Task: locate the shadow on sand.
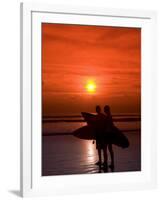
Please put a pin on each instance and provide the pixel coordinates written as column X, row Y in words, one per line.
column 105, row 169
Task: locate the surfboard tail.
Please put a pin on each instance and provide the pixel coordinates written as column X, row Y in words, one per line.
column 121, row 140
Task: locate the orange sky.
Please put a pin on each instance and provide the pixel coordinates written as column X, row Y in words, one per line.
column 75, row 54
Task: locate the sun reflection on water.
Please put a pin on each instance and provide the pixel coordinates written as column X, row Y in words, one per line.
column 91, row 154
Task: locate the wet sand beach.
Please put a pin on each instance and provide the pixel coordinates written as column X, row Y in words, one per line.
column 66, row 155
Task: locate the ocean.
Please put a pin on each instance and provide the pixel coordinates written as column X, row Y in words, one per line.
column 69, row 123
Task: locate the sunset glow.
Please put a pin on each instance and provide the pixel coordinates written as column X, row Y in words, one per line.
column 83, row 66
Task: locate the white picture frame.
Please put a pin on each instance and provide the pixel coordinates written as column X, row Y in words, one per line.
column 32, row 183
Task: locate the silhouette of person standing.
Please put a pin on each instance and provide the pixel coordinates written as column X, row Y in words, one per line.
column 101, row 144
column 109, row 126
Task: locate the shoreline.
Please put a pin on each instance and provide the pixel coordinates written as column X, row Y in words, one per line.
column 68, row 133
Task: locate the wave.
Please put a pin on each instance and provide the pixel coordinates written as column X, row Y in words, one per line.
column 70, row 119
column 80, row 116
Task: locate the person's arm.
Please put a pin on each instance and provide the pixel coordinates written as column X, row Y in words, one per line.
column 110, row 119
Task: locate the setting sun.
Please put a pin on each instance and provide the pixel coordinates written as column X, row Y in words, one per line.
column 91, row 86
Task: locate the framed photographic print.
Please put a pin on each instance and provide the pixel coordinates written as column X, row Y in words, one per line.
column 87, row 99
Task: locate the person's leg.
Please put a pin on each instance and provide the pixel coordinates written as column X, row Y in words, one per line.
column 105, row 154
column 98, row 150
column 111, row 155
column 99, row 155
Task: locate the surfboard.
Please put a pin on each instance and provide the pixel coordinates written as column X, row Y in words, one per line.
column 89, row 118
column 88, row 133
column 85, row 132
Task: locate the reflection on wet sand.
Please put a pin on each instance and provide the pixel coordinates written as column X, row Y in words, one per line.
column 63, row 155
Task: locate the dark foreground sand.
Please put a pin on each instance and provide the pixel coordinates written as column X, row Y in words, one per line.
column 62, row 155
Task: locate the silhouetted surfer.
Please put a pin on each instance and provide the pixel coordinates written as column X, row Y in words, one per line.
column 108, row 130
column 104, row 126
column 101, row 144
column 101, row 128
